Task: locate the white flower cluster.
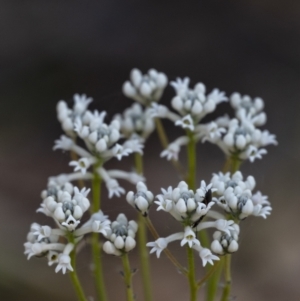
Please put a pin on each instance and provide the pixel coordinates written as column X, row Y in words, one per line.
column 65, row 204
column 185, row 205
column 240, row 137
column 189, row 208
column 226, row 243
column 121, row 236
column 147, row 88
column 194, row 102
column 67, row 116
column 44, row 241
column 101, row 141
column 191, row 104
column 136, row 122
column 236, row 198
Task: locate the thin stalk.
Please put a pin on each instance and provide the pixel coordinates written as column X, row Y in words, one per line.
column 165, row 142
column 227, row 165
column 127, row 278
column 227, row 287
column 213, row 280
column 73, row 275
column 191, row 274
column 166, row 251
column 211, row 272
column 96, row 249
column 191, row 153
column 144, row 258
column 142, row 240
column 138, row 160
column 235, row 164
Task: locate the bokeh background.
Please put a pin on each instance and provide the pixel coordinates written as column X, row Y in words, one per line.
column 50, row 50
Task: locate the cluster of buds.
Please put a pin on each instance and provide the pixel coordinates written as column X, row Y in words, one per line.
column 136, row 122
column 54, row 244
column 66, row 204
column 121, row 236
column 226, row 243
column 184, row 204
column 236, row 198
column 239, row 137
column 69, row 116
column 194, row 102
column 102, row 143
column 147, row 88
column 191, row 104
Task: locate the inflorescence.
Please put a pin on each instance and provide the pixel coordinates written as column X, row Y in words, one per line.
column 221, row 204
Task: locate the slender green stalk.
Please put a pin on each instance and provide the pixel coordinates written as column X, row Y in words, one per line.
column 227, row 165
column 164, row 142
column 138, row 159
column 213, row 280
column 227, row 287
column 144, row 258
column 191, row 153
column 235, row 164
column 166, row 251
column 127, row 278
column 73, row 275
column 96, row 249
column 142, row 240
column 191, row 274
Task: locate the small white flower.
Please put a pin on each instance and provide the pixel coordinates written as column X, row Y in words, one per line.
column 253, row 153
column 171, row 153
column 64, row 263
column 63, row 143
column 114, row 188
column 206, row 255
column 81, row 165
column 101, row 227
column 157, row 246
column 186, row 123
column 189, row 237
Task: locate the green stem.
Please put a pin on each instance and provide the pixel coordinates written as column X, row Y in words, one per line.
column 227, row 287
column 127, row 277
column 235, row 164
column 142, row 240
column 138, row 160
column 213, row 281
column 74, row 276
column 144, row 258
column 191, row 274
column 96, row 249
column 232, row 164
column 191, row 153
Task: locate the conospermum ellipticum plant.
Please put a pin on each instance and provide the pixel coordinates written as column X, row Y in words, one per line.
column 223, row 203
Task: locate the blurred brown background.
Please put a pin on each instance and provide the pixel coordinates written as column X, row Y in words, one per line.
column 50, row 50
